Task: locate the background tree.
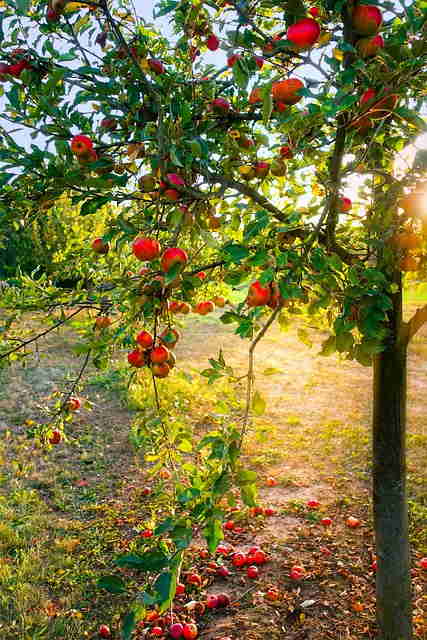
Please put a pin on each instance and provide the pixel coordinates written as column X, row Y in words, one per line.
column 233, row 175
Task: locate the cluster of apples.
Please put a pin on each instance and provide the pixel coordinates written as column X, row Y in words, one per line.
column 260, row 169
column 366, row 22
column 156, row 354
column 20, row 62
column 82, row 148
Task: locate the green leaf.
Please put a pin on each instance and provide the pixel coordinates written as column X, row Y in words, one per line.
column 213, row 533
column 236, row 252
column 113, row 584
column 92, row 205
column 240, row 74
column 412, row 117
column 249, row 494
column 304, row 337
column 258, row 404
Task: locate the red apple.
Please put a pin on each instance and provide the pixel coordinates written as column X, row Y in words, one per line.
column 238, row 559
column 313, row 504
column 366, row 19
column 137, row 358
column 252, row 572
column 259, row 61
column 175, row 180
column 326, row 522
column 201, row 275
column 345, row 205
column 367, row 96
column 99, row 246
column 173, row 256
column 223, row 572
column 52, row 15
column 423, row 563
column 271, row 482
column 146, row 248
column 190, row 631
column 156, row 66
column 223, row 599
column 258, row 295
column 220, row 105
column 314, row 11
column 147, row 533
column 296, row 573
column 212, row 42
column 219, row 301
column 229, row 525
column 180, row 589
column 104, row 631
column 233, row 59
column 368, row 47
column 304, row 33
column 286, row 152
column 172, row 195
column 73, row 403
column 269, row 511
column 352, row 522
column 194, row 578
column 374, row 565
column 55, row 437
column 212, row 602
column 175, row 630
column 272, row 594
column 159, row 355
column 157, row 631
column 261, row 169
column 144, row 339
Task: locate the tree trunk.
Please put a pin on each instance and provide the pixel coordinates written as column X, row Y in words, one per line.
column 394, row 608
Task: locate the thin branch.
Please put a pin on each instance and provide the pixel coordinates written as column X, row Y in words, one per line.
column 415, row 323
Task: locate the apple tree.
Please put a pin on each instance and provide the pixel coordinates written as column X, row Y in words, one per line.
column 218, row 170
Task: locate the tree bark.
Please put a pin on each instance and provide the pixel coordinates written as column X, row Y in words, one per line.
column 393, row 582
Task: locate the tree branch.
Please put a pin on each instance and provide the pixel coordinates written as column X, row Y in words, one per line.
column 413, row 325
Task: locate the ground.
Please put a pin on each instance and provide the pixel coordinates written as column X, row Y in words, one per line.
column 66, row 513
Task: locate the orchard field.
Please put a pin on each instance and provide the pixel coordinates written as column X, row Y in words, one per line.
column 213, row 319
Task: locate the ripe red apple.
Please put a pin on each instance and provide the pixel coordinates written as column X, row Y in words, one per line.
column 259, row 557
column 99, row 246
column 172, row 195
column 212, row 602
column 146, row 491
column 252, row 572
column 238, row 559
column 137, row 358
column 104, row 631
column 175, row 180
column 157, row 631
column 73, row 403
column 368, row 47
column 261, row 169
column 146, row 248
column 220, row 106
column 194, row 578
column 296, row 573
column 203, row 308
column 272, row 594
column 224, row 572
column 423, row 563
column 201, row 275
column 212, row 42
column 156, row 66
column 147, row 533
column 173, row 256
column 175, row 630
column 374, row 565
column 159, row 354
column 190, row 631
column 223, row 599
column 52, row 15
column 286, row 91
column 345, row 205
column 326, row 521
column 367, row 96
column 229, row 525
column 259, row 61
column 271, row 482
column 258, row 295
column 180, row 589
column 55, row 437
column 222, row 550
column 367, row 19
column 81, row 145
column 286, row 152
column 144, row 339
column 352, row 522
column 314, row 12
column 16, row 69
column 313, row 504
column 233, row 59
column 269, row 511
column 304, row 33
